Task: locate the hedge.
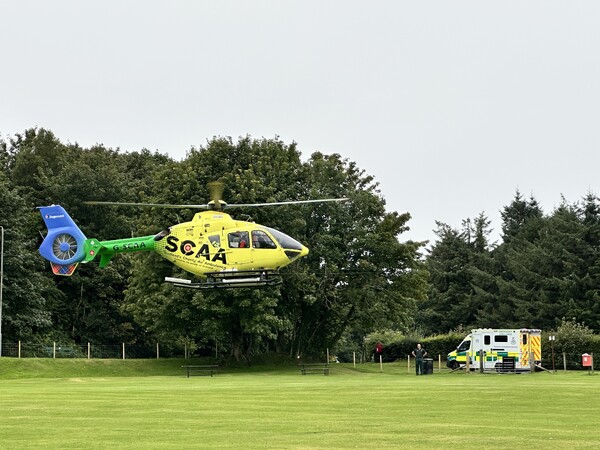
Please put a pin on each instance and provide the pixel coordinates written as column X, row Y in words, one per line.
column 440, row 344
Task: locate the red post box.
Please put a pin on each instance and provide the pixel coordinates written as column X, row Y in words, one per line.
column 586, row 360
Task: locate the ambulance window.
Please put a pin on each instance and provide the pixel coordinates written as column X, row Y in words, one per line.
column 486, row 339
column 501, row 338
column 464, row 346
column 524, row 339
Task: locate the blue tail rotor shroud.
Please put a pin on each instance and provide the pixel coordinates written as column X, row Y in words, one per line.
column 60, row 223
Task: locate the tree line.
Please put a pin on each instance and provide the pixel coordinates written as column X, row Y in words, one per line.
column 545, row 269
column 360, row 277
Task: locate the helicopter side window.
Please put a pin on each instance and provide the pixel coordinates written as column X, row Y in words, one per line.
column 260, row 239
column 239, row 239
column 215, row 241
column 284, row 240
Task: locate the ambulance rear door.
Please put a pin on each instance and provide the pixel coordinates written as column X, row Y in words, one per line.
column 530, row 344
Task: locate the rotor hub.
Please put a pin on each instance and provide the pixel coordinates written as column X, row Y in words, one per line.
column 217, row 205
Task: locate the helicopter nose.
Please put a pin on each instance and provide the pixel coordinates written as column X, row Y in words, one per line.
column 296, row 253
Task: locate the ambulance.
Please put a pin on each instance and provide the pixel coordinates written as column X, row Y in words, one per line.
column 504, row 350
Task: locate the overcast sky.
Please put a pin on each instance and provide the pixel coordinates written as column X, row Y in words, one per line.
column 451, row 105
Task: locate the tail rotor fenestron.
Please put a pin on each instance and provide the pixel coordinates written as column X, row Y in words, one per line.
column 63, row 245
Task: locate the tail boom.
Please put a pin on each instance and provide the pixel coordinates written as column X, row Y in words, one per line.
column 65, row 244
column 107, row 249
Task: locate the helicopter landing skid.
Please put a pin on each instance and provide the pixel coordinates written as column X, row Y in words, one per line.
column 231, row 279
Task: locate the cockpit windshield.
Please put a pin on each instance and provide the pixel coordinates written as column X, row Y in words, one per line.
column 284, row 240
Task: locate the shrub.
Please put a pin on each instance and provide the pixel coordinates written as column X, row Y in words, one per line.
column 440, row 344
column 573, row 339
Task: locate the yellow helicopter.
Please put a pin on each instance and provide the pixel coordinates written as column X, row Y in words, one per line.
column 222, row 251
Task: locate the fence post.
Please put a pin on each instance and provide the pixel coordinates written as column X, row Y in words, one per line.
column 592, row 362
column 408, row 358
column 380, row 363
column 54, row 350
column 123, row 350
column 157, row 351
column 19, row 349
column 565, row 361
column 480, row 360
column 439, row 362
column 354, row 359
column 531, row 362
column 89, row 351
column 468, row 362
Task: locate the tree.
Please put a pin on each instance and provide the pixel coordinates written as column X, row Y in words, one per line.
column 519, row 218
column 589, row 310
column 35, row 159
column 504, row 296
column 251, row 171
column 357, row 273
column 450, row 296
column 45, row 171
column 572, row 337
column 27, row 293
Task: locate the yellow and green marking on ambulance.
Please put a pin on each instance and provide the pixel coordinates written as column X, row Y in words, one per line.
column 518, row 350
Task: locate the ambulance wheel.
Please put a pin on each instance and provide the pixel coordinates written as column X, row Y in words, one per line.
column 453, row 365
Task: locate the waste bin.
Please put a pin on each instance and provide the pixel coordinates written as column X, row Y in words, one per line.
column 586, row 360
column 428, row 366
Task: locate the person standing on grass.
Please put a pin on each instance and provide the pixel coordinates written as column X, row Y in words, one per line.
column 419, row 353
column 378, row 352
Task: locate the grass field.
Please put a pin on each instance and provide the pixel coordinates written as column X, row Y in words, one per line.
column 151, row 404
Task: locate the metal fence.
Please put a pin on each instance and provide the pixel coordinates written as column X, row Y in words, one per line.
column 90, row 351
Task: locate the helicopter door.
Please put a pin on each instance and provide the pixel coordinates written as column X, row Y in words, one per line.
column 239, row 247
column 263, row 248
column 262, row 240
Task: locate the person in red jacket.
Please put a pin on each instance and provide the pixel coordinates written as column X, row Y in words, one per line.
column 378, row 351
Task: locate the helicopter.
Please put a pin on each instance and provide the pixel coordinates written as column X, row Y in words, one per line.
column 221, row 251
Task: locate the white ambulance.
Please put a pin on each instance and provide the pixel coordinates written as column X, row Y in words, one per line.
column 504, row 350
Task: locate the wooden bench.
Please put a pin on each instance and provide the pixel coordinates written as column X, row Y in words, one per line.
column 206, row 369
column 314, row 368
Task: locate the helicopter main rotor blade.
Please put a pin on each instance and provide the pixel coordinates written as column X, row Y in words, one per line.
column 147, row 205
column 218, row 206
column 293, row 202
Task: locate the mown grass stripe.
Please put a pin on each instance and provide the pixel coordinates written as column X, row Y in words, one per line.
column 276, row 407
